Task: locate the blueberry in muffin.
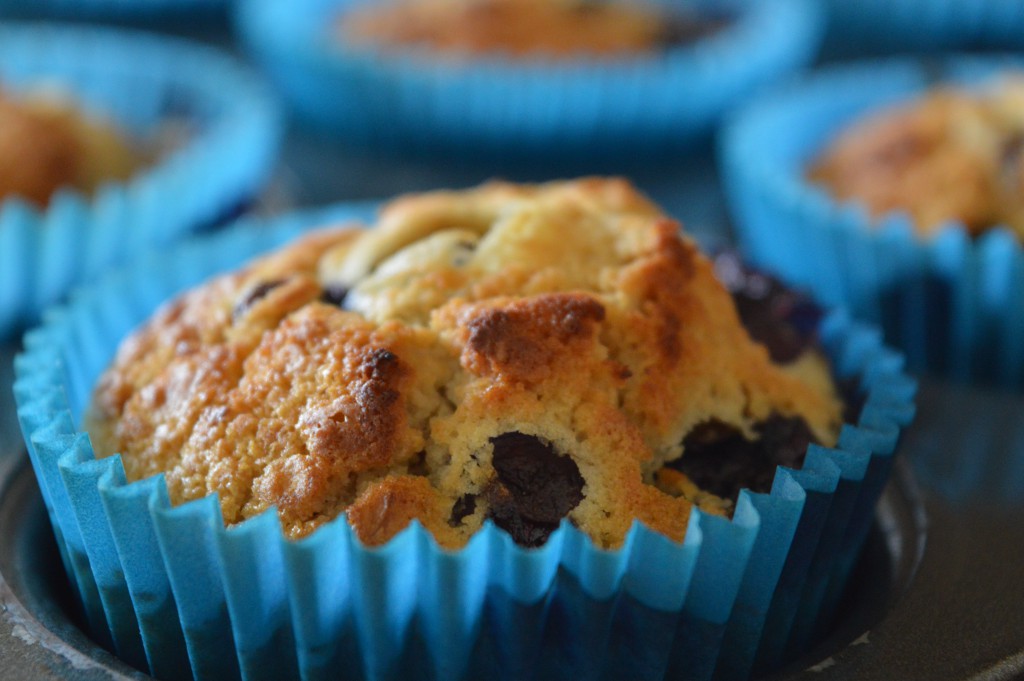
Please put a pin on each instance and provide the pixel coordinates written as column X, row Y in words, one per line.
column 523, row 354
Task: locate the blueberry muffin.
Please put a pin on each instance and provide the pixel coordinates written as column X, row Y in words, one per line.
column 521, row 354
column 46, row 143
column 952, row 155
column 548, row 28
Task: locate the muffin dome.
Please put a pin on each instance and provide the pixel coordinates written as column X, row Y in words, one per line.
column 951, row 155
column 513, row 353
column 46, row 144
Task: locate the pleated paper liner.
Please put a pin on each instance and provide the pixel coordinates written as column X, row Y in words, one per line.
column 197, row 12
column 952, row 304
column 174, row 592
column 142, row 83
column 858, row 28
column 412, row 100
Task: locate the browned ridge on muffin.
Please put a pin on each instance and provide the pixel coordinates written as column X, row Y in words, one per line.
column 559, row 29
column 516, row 353
column 47, row 144
column 952, row 155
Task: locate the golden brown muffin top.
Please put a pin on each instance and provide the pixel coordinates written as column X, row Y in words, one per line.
column 519, row 353
column 549, row 28
column 46, row 144
column 952, row 155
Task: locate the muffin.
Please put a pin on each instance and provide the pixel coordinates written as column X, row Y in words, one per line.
column 46, row 144
column 519, row 354
column 951, row 155
column 111, row 143
column 518, row 80
column 519, row 28
column 878, row 191
column 582, row 317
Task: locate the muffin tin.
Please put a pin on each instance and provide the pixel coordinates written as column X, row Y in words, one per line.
column 937, row 592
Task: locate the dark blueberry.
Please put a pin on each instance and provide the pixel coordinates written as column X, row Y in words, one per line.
column 804, row 315
column 718, row 459
column 779, row 318
column 334, row 294
column 853, row 398
column 418, row 464
column 463, row 507
column 533, row 489
column 259, row 291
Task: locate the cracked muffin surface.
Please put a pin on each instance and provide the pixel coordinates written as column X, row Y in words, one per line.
column 950, row 155
column 521, row 354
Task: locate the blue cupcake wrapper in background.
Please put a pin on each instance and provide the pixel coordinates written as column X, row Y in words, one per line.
column 140, row 82
column 877, row 27
column 952, row 304
column 170, row 589
column 414, row 100
column 117, row 10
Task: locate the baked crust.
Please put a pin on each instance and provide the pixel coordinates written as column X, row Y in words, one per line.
column 485, row 336
column 952, row 155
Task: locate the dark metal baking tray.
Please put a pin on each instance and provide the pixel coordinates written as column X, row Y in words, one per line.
column 937, row 594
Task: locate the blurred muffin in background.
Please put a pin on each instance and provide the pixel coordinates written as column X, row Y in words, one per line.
column 894, row 189
column 951, row 155
column 47, row 143
column 113, row 142
column 538, row 28
column 576, row 84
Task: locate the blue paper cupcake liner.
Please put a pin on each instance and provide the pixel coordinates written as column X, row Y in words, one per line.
column 951, row 303
column 117, row 10
column 174, row 592
column 412, row 100
column 140, row 82
column 877, row 27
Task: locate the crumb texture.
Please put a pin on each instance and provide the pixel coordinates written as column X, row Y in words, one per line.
column 524, row 354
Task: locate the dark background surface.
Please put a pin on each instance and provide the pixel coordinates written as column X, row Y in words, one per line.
column 939, row 593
